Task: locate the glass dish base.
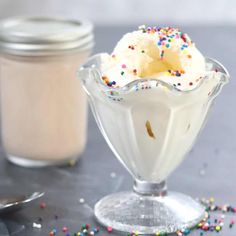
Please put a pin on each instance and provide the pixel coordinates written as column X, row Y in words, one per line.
column 129, row 211
column 20, row 161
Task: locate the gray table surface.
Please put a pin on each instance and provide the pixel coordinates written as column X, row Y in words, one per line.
column 209, row 170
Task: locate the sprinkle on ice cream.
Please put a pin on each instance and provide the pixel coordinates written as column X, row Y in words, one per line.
column 166, row 54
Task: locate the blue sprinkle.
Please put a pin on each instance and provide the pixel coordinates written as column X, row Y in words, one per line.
column 186, row 231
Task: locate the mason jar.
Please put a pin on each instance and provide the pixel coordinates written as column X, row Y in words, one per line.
column 43, row 106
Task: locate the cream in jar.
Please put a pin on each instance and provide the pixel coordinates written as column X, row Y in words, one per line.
column 43, row 107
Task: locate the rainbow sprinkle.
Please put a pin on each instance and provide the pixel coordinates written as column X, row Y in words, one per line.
column 166, row 36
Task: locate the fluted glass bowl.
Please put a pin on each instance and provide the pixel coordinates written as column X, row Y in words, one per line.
column 150, row 126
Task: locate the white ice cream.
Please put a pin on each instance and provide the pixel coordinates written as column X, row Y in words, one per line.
column 165, row 54
column 149, row 126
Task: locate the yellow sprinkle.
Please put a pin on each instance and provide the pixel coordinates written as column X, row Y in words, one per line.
column 211, row 200
column 72, row 162
column 200, row 225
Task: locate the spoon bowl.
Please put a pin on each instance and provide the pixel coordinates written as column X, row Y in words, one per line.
column 14, row 203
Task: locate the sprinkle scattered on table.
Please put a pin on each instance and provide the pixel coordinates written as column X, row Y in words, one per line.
column 43, row 205
column 208, row 224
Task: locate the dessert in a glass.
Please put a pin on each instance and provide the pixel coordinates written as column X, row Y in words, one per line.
column 150, row 99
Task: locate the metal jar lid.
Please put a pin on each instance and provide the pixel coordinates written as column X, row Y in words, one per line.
column 44, row 36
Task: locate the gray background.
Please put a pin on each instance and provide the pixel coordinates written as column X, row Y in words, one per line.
column 124, row 12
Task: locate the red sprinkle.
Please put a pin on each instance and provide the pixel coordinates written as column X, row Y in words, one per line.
column 51, row 233
column 43, row 205
column 190, row 83
column 183, row 37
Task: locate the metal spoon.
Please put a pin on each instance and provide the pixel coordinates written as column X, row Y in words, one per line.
column 8, row 204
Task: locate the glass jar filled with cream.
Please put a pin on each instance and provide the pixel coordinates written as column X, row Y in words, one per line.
column 43, row 107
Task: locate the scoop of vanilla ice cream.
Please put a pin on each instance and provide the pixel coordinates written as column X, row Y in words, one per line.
column 165, row 54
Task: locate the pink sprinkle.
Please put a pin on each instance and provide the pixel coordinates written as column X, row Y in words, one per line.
column 109, row 229
column 64, row 229
column 123, row 66
column 205, row 227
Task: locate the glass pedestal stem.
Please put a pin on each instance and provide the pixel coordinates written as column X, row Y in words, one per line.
column 148, row 209
column 151, row 189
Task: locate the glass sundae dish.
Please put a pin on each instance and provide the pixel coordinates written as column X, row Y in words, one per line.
column 150, row 99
